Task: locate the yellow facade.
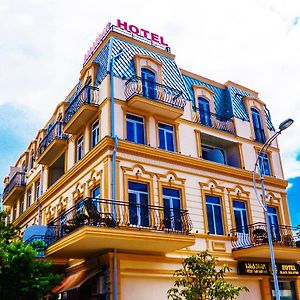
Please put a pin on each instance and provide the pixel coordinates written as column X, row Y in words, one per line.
column 69, row 168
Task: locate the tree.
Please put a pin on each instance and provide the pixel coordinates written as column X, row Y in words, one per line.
column 22, row 275
column 200, row 279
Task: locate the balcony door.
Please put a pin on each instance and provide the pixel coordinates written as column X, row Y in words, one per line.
column 138, row 204
column 172, row 215
column 204, row 112
column 148, row 83
column 274, row 223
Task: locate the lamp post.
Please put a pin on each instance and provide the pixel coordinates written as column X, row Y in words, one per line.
column 284, row 125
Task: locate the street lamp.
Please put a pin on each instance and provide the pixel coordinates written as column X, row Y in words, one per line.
column 284, row 125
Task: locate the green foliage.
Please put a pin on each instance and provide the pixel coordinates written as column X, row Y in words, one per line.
column 22, row 275
column 200, row 279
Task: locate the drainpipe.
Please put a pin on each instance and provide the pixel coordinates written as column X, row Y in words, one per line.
column 114, row 160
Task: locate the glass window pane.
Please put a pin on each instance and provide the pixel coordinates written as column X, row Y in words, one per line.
column 130, row 131
column 170, row 141
column 210, row 219
column 140, row 133
column 162, row 142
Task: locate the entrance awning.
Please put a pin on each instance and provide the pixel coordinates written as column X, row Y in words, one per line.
column 75, row 281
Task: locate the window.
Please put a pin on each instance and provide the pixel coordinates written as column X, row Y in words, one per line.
column 22, row 206
column 79, row 148
column 95, row 134
column 79, row 206
column 214, row 215
column 95, row 194
column 28, row 198
column 148, row 83
column 166, row 137
column 264, row 164
column 258, row 126
column 9, row 218
column 62, row 221
column 15, row 212
column 31, row 160
column 204, row 112
column 172, row 213
column 138, row 204
column 274, row 223
column 37, row 189
column 240, row 215
column 135, row 129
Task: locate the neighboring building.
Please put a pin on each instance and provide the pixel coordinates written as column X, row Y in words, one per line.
column 177, row 151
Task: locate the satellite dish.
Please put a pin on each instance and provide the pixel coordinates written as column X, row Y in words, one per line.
column 216, row 155
column 29, row 232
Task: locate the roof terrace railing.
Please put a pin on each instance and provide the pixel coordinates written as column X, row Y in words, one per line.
column 216, row 121
column 17, row 180
column 257, row 234
column 154, row 91
column 55, row 133
column 88, row 95
column 118, row 214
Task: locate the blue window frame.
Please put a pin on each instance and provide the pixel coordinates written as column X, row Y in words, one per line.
column 138, row 204
column 172, row 213
column 135, row 129
column 274, row 223
column 240, row 216
column 166, row 137
column 95, row 194
column 258, row 126
column 148, row 83
column 204, row 112
column 264, row 164
column 79, row 148
column 95, row 134
column 214, row 215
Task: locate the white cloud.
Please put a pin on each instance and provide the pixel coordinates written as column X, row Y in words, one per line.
column 254, row 43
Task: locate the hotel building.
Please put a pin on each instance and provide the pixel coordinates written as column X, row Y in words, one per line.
column 145, row 163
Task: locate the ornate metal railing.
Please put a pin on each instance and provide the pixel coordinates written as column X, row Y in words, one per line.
column 17, row 180
column 55, row 133
column 219, row 122
column 117, row 214
column 88, row 95
column 256, row 234
column 154, row 91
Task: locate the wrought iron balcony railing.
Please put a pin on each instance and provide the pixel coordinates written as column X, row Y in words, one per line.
column 154, row 91
column 88, row 95
column 117, row 214
column 256, row 235
column 17, row 180
column 55, row 133
column 209, row 119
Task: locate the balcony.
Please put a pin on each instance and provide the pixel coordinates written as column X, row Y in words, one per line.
column 14, row 188
column 154, row 97
column 252, row 242
column 95, row 225
column 81, row 109
column 215, row 121
column 52, row 145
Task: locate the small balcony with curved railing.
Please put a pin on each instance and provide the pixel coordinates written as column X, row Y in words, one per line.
column 252, row 242
column 95, row 225
column 81, row 109
column 154, row 97
column 52, row 145
column 14, row 188
column 216, row 121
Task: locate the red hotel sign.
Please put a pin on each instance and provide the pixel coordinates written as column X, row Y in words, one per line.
column 125, row 26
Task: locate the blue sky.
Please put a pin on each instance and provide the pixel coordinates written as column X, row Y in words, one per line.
column 252, row 42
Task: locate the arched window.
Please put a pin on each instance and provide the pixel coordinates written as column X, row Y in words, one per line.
column 258, row 126
column 204, row 111
column 148, row 83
